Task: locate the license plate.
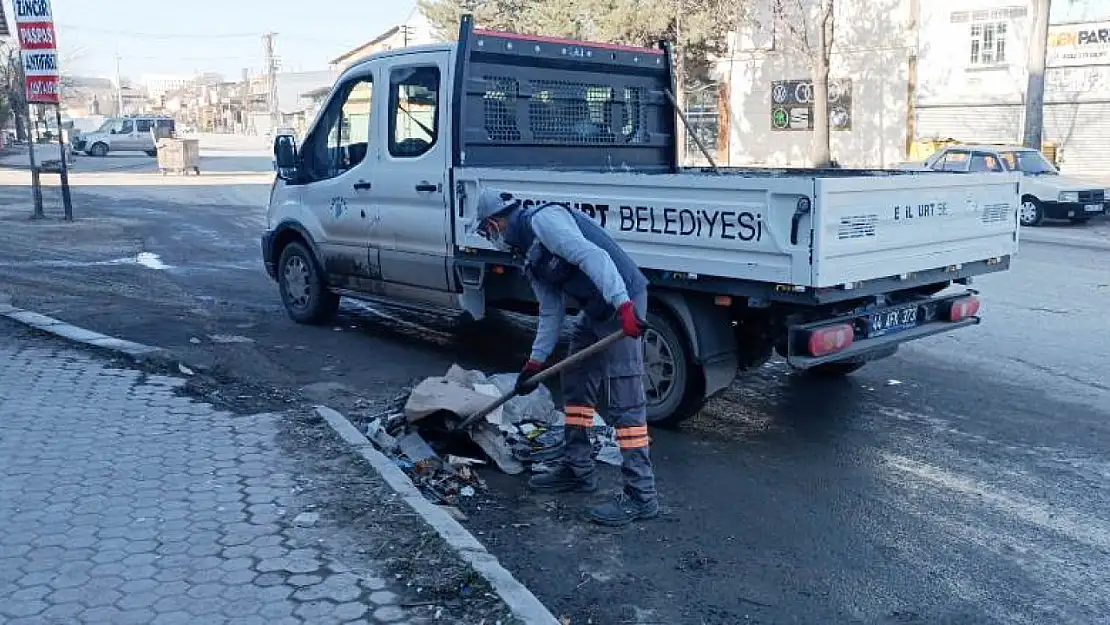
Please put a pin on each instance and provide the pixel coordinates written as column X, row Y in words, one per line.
column 893, row 320
column 1093, row 208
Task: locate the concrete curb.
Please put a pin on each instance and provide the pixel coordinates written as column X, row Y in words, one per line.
column 1052, row 238
column 135, row 351
column 520, row 600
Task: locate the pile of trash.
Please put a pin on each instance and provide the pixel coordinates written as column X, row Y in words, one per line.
column 527, row 433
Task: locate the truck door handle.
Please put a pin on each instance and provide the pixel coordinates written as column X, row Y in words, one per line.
column 362, row 185
column 427, row 187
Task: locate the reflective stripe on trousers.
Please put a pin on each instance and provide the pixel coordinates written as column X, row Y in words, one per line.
column 622, row 367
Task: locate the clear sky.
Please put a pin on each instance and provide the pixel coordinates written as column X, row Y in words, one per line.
column 183, row 37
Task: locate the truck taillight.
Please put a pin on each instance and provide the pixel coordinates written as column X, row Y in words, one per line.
column 832, row 339
column 963, row 308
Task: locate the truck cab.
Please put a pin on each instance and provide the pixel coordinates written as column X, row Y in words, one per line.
column 369, row 186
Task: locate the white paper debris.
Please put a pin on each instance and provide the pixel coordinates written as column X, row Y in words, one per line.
column 497, row 416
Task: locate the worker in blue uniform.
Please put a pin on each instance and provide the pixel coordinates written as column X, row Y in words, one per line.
column 569, row 255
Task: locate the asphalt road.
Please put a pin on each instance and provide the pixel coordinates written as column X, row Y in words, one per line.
column 962, row 481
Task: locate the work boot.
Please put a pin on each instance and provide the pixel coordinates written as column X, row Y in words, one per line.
column 563, row 480
column 624, row 509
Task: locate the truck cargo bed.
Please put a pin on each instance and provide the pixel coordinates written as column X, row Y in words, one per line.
column 809, row 228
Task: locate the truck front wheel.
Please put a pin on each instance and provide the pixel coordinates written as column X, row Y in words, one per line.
column 303, row 291
column 673, row 381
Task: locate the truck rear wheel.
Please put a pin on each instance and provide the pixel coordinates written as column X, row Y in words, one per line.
column 303, row 291
column 673, row 381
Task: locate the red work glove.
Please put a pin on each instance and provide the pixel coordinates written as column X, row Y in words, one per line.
column 524, row 385
column 630, row 322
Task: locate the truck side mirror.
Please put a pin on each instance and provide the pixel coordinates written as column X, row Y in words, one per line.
column 285, row 154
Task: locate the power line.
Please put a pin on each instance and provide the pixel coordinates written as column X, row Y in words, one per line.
column 130, row 33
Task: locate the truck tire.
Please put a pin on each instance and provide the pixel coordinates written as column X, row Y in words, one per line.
column 98, row 149
column 674, row 383
column 303, row 291
column 1031, row 213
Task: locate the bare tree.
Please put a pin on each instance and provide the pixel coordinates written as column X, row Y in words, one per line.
column 12, row 91
column 810, row 26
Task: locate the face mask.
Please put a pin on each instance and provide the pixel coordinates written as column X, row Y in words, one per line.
column 492, row 233
column 497, row 238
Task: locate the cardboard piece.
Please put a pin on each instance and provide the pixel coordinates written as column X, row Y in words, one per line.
column 438, row 393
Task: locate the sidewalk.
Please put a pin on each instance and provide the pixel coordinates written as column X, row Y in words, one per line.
column 121, row 501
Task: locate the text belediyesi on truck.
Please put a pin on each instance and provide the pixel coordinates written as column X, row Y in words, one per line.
column 830, row 268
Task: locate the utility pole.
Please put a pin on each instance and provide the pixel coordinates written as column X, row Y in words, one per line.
column 271, row 77
column 36, row 172
column 245, row 113
column 1034, row 92
column 119, row 88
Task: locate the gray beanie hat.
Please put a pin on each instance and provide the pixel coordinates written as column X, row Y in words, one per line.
column 492, row 202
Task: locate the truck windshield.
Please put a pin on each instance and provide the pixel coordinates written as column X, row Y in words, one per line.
column 108, row 125
column 1028, row 161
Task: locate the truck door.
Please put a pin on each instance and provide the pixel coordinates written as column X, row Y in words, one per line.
column 410, row 179
column 337, row 168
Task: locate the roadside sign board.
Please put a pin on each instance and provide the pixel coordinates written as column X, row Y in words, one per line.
column 34, row 23
column 1075, row 45
column 792, row 105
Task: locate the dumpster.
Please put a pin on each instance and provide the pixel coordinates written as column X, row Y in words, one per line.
column 178, row 155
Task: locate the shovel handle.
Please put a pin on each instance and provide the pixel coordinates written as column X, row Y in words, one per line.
column 548, row 373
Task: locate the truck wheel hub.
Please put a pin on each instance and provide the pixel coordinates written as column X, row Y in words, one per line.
column 296, row 282
column 659, row 365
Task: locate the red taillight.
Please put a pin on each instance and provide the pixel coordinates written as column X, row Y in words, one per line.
column 831, row 339
column 963, row 308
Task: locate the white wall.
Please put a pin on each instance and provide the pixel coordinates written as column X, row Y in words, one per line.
column 872, row 50
column 945, row 73
column 946, row 76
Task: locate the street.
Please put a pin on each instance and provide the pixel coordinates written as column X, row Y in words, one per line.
column 964, row 480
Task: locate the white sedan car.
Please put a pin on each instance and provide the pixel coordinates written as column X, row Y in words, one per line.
column 1045, row 194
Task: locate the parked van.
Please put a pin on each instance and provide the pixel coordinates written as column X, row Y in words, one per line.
column 134, row 133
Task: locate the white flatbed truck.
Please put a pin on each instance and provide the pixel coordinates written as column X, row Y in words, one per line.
column 830, row 268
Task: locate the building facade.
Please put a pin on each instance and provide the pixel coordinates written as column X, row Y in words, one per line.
column 766, row 119
column 905, row 70
column 972, row 79
column 414, row 31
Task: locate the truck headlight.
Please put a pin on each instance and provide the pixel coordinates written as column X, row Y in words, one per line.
column 1069, row 197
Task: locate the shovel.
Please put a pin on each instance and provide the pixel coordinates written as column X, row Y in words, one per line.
column 546, row 374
